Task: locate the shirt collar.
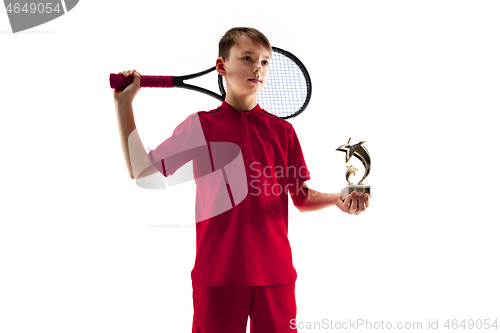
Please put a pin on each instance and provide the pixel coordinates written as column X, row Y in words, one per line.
column 227, row 106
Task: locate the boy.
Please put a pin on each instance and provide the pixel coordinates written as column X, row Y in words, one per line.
column 243, row 261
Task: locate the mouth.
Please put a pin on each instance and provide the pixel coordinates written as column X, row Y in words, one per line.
column 255, row 80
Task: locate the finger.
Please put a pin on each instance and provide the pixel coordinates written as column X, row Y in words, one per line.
column 354, row 204
column 367, row 200
column 347, row 203
column 361, row 203
column 137, row 78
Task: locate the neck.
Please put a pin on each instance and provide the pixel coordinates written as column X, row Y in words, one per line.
column 241, row 104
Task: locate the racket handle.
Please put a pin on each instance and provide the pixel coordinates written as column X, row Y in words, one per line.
column 147, row 81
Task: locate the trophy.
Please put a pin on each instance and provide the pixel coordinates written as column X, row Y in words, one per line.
column 357, row 150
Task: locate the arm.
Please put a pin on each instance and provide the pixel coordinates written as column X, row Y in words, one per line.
column 136, row 158
column 307, row 200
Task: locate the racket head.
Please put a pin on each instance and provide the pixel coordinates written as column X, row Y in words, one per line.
column 288, row 88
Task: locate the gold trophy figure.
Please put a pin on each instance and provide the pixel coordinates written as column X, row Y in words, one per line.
column 359, row 151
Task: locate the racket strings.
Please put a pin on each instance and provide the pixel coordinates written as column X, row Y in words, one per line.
column 286, row 89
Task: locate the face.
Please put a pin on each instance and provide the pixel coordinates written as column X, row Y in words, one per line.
column 246, row 69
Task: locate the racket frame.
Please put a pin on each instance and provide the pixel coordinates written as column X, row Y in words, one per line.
column 179, row 83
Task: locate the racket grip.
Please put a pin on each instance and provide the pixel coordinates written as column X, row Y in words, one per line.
column 147, row 81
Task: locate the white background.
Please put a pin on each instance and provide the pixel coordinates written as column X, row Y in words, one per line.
column 83, row 249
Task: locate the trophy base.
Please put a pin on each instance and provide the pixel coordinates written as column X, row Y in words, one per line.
column 355, row 188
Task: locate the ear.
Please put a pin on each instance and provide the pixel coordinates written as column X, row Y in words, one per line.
column 220, row 66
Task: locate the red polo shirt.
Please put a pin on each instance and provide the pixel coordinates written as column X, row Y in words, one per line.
column 242, row 165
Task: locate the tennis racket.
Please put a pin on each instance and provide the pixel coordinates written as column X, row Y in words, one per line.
column 286, row 94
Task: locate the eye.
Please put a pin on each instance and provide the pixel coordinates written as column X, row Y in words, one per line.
column 247, row 58
column 265, row 63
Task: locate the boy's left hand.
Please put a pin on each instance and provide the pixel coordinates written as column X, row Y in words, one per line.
column 355, row 203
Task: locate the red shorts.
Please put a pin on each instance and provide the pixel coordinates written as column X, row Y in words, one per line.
column 226, row 309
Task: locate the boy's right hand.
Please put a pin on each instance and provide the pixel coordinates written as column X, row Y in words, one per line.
column 128, row 94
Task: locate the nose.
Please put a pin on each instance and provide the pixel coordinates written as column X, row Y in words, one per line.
column 258, row 68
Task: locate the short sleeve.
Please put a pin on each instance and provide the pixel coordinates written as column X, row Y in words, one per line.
column 186, row 143
column 296, row 165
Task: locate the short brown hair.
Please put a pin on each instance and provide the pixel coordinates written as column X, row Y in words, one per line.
column 231, row 37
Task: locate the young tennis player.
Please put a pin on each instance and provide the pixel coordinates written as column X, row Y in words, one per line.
column 243, row 263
